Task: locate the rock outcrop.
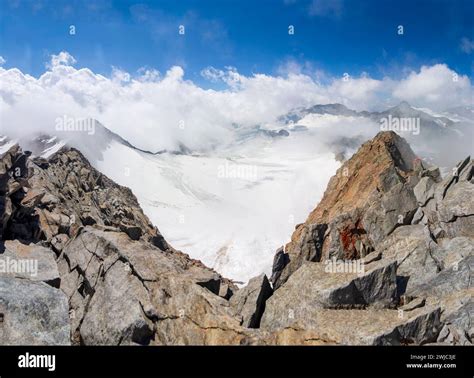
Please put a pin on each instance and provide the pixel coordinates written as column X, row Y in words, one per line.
column 324, row 289
column 371, row 193
column 388, row 203
column 250, row 302
column 384, row 259
column 105, row 272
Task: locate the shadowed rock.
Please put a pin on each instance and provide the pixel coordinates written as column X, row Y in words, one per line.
column 249, row 302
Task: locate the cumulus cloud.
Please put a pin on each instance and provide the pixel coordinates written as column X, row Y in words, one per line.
column 434, row 87
column 63, row 58
column 358, row 93
column 163, row 111
column 120, row 76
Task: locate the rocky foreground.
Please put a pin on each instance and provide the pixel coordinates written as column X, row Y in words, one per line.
column 105, row 274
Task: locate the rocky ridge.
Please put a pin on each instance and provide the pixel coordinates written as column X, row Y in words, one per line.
column 403, row 235
column 385, row 203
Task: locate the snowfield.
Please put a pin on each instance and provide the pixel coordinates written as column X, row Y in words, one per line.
column 230, row 212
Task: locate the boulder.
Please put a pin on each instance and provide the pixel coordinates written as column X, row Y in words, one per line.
column 185, row 313
column 314, row 286
column 414, row 303
column 361, row 327
column 115, row 314
column 457, row 317
column 32, row 262
column 249, row 302
column 280, row 261
column 447, row 281
column 424, row 190
column 411, row 247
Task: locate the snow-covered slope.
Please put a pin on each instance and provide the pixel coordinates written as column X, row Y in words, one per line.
column 231, row 208
column 230, row 212
column 5, row 144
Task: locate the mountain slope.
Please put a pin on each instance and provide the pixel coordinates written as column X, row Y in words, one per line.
column 108, row 255
column 107, row 276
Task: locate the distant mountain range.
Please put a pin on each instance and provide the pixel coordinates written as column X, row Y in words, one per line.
column 454, row 122
column 448, row 119
column 442, row 138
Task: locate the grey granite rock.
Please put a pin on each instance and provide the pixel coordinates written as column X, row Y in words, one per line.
column 249, row 302
column 33, row 313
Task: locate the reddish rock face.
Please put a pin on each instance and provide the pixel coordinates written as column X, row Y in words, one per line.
column 351, row 235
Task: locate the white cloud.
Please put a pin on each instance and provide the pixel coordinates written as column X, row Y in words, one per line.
column 436, row 87
column 120, row 76
column 148, row 74
column 63, row 58
column 292, row 66
column 230, row 76
column 2, row 61
column 358, row 93
column 212, row 74
column 157, row 112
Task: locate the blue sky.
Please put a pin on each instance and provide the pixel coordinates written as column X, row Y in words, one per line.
column 330, row 36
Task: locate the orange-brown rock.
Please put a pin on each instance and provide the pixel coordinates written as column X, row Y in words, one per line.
column 378, row 166
column 357, row 178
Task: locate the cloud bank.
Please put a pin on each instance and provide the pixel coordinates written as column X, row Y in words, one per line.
column 162, row 111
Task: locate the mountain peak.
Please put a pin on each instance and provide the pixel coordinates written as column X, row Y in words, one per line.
column 358, row 177
column 333, row 109
column 378, row 165
column 382, row 207
column 404, row 106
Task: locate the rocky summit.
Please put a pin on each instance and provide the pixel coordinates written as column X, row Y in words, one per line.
column 385, row 258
